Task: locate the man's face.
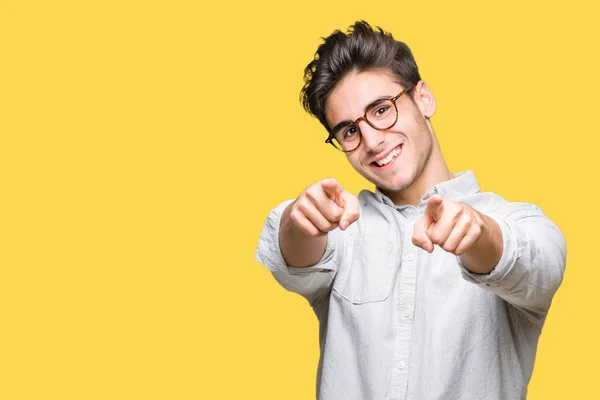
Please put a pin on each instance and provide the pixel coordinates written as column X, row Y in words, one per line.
column 392, row 159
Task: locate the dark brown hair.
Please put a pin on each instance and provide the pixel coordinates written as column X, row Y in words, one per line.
column 359, row 49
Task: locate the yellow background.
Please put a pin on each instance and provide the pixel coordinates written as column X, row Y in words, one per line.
column 143, row 143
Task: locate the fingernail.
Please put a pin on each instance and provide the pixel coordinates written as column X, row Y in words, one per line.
column 344, row 224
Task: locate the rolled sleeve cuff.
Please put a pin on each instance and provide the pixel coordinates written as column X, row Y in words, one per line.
column 269, row 254
column 504, row 272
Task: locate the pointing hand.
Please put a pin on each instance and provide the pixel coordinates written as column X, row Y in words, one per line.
column 324, row 206
column 454, row 226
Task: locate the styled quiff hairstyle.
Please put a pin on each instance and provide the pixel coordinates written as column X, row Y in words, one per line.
column 361, row 48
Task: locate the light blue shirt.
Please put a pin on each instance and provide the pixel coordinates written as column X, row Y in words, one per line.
column 399, row 323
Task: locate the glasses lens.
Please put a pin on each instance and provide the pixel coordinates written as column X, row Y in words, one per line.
column 382, row 115
column 347, row 138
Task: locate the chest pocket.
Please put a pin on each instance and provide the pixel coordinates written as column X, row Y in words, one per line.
column 368, row 270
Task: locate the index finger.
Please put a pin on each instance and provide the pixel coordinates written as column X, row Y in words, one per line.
column 434, row 206
column 334, row 190
column 331, row 187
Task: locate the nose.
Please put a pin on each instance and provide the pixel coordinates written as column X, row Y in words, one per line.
column 373, row 139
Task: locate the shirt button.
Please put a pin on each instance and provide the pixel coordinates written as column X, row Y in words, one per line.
column 409, row 257
column 401, row 365
column 406, row 314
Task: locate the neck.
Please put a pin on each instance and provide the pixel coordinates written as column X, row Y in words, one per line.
column 434, row 172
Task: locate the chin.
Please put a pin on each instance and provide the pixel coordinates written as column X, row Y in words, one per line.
column 396, row 185
column 398, row 181
column 393, row 188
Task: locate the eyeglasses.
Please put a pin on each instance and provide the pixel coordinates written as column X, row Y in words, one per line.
column 379, row 115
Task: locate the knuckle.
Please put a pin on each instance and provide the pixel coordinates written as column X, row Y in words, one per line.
column 295, row 215
column 337, row 213
column 313, row 231
column 323, row 226
column 353, row 215
column 300, row 206
column 309, row 193
column 435, row 238
column 309, row 228
column 333, row 218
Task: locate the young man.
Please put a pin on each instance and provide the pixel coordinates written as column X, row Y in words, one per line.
column 427, row 288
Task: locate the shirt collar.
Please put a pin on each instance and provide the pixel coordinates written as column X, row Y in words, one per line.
column 463, row 183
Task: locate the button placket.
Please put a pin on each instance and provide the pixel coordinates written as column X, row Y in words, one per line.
column 406, row 298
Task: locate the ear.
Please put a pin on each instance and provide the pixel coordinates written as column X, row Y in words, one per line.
column 424, row 99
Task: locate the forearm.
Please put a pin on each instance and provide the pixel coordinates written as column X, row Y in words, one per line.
column 297, row 248
column 532, row 264
column 485, row 253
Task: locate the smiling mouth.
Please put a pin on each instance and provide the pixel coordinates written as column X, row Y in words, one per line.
column 392, row 155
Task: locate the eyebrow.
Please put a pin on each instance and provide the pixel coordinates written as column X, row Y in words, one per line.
column 368, row 106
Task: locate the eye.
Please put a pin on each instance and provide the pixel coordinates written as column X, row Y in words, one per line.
column 350, row 132
column 381, row 110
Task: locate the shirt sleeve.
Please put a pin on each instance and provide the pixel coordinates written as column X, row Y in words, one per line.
column 312, row 282
column 532, row 264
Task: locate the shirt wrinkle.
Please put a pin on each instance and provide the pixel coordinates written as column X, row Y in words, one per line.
column 399, row 323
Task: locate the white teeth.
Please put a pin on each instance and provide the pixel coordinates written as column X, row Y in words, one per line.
column 389, row 157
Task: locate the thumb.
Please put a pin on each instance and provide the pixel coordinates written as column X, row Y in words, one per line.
column 351, row 209
column 420, row 237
